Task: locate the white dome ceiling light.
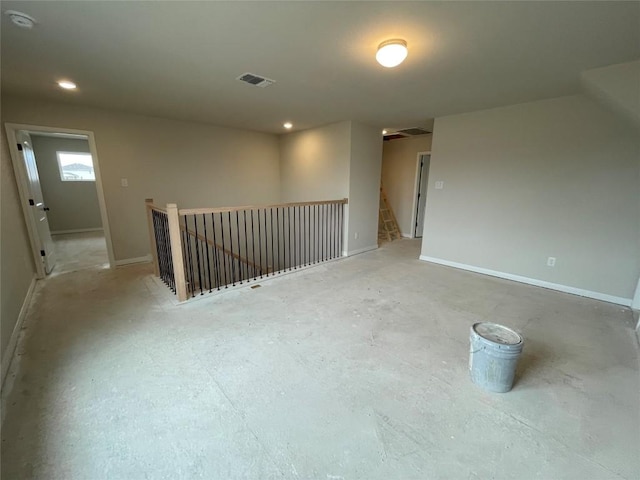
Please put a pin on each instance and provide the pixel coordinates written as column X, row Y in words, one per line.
column 20, row 19
column 392, row 53
column 67, row 85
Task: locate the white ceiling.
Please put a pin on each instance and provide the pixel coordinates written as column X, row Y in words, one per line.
column 180, row 59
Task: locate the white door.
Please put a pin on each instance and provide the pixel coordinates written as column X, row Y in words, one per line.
column 423, row 181
column 37, row 208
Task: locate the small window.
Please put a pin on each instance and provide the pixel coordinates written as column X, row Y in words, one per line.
column 76, row 167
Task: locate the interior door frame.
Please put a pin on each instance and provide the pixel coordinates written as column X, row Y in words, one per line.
column 416, row 188
column 23, row 187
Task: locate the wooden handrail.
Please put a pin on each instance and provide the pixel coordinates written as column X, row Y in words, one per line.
column 151, row 206
column 219, row 247
column 199, row 211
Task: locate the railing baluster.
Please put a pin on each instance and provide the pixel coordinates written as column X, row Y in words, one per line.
column 192, row 278
column 341, row 233
column 239, row 248
column 253, row 248
column 196, row 242
column 313, row 237
column 335, row 230
column 169, row 258
column 322, row 233
column 307, row 234
column 224, row 256
column 233, row 267
column 216, row 256
column 289, row 238
column 260, row 244
column 279, row 267
column 266, row 243
column 185, row 259
column 272, row 249
column 330, row 231
column 296, row 238
column 206, row 246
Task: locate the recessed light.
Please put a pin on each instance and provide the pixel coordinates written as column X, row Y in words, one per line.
column 67, row 85
column 288, row 125
column 391, row 53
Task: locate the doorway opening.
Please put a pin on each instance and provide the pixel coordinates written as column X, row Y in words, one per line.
column 422, row 182
column 60, row 188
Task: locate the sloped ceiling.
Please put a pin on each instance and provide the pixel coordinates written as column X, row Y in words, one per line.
column 180, row 59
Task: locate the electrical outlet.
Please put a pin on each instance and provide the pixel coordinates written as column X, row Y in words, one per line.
column 124, row 182
column 551, row 262
column 439, row 185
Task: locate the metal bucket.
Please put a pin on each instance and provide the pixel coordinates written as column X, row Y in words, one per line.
column 493, row 356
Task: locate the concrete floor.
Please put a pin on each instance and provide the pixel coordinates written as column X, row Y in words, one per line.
column 356, row 369
column 77, row 251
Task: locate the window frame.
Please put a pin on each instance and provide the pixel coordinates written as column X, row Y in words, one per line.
column 61, row 172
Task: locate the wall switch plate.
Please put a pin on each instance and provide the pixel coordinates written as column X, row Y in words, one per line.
column 355, row 235
column 439, row 185
column 551, row 262
column 124, row 182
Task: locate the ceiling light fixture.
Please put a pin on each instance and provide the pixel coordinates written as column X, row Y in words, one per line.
column 67, row 85
column 20, row 19
column 288, row 125
column 391, row 53
column 384, row 132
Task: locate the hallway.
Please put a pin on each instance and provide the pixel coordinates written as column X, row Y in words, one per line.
column 77, row 251
column 357, row 369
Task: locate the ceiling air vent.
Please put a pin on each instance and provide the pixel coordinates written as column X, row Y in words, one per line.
column 414, row 131
column 255, row 80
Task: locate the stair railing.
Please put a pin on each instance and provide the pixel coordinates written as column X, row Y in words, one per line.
column 202, row 250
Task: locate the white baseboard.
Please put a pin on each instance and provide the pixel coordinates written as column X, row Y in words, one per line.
column 79, row 230
column 131, row 261
column 360, row 250
column 13, row 341
column 532, row 281
column 406, row 235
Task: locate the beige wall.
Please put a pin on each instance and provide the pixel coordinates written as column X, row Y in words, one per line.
column 16, row 264
column 314, row 163
column 364, row 187
column 341, row 160
column 192, row 164
column 73, row 205
column 558, row 178
column 399, row 163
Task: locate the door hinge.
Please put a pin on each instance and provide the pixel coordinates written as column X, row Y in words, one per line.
column 31, row 202
column 19, row 147
column 42, row 254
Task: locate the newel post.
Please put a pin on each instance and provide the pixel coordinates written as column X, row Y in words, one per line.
column 173, row 219
column 148, row 202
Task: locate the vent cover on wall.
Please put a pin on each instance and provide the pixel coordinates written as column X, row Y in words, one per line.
column 405, row 133
column 255, row 80
column 413, row 131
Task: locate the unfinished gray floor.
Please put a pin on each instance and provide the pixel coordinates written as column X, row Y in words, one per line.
column 77, row 251
column 353, row 370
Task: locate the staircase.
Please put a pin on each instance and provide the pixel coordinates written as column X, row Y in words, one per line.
column 387, row 225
